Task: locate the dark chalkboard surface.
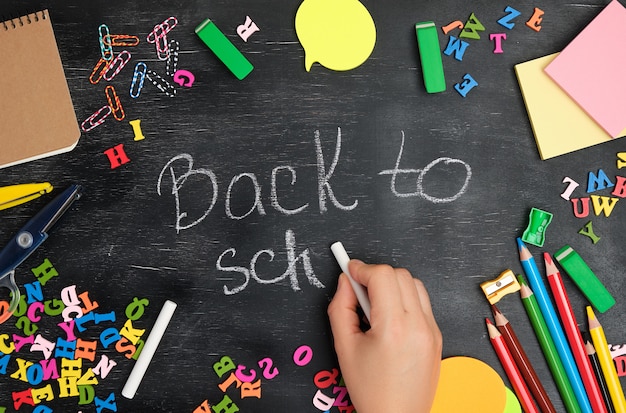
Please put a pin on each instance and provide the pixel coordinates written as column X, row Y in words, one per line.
column 230, row 204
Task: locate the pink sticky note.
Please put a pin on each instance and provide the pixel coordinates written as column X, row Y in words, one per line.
column 591, row 69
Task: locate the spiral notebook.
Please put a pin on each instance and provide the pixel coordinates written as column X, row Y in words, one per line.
column 37, row 118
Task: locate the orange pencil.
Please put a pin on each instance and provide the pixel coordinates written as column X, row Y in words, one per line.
column 511, row 370
column 573, row 336
column 522, row 362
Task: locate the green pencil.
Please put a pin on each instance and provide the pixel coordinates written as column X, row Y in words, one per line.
column 548, row 347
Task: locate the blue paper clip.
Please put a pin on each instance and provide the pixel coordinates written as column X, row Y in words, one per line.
column 27, row 240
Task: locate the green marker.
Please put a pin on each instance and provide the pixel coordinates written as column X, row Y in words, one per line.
column 585, row 279
column 430, row 56
column 224, row 49
column 548, row 347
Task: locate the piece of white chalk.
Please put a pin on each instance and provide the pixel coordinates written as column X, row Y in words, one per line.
column 149, row 348
column 342, row 259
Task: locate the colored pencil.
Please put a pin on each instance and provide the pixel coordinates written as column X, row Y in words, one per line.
column 573, row 335
column 606, row 362
column 547, row 346
column 595, row 363
column 554, row 327
column 511, row 370
column 522, row 361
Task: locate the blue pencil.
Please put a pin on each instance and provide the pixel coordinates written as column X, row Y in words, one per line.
column 554, row 326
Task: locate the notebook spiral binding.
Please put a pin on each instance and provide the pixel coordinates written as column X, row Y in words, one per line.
column 28, row 18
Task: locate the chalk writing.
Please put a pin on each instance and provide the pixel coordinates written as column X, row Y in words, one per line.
column 291, row 271
column 421, row 174
column 324, row 187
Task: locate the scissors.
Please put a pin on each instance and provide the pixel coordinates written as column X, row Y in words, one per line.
column 31, row 236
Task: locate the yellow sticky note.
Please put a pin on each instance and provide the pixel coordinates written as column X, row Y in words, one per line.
column 338, row 34
column 469, row 385
column 559, row 124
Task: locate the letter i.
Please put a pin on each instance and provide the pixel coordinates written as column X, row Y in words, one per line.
column 136, row 124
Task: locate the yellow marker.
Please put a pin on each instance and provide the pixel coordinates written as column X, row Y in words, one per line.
column 13, row 195
column 338, row 34
column 505, row 284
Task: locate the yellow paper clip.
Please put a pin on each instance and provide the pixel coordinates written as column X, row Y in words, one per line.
column 13, row 195
column 505, row 284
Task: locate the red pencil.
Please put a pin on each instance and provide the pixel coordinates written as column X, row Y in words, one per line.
column 522, row 361
column 573, row 336
column 511, row 370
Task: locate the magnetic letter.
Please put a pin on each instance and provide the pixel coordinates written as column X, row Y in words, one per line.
column 303, row 355
column 117, row 156
column 572, row 185
column 458, row 24
column 621, row 160
column 598, row 182
column 585, row 207
column 136, row 124
column 323, row 402
column 506, row 20
column 620, row 187
column 223, row 366
column 44, row 272
column 472, row 27
column 225, row 406
column 535, row 21
column 468, row 84
column 247, row 29
column 108, row 404
column 456, row 46
column 587, row 230
column 497, row 40
column 603, row 204
column 135, row 310
column 251, row 389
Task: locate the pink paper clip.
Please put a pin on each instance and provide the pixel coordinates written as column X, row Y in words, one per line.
column 99, row 68
column 96, row 119
column 172, row 61
column 114, row 103
column 161, row 84
column 121, row 40
column 138, row 78
column 116, row 65
column 162, row 47
column 167, row 25
column 105, row 49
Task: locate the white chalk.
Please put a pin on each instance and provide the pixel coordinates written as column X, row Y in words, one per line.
column 149, row 348
column 342, row 259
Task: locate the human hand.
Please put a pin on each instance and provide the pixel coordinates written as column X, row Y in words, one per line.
column 393, row 366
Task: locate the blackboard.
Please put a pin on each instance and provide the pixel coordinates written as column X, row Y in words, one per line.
column 272, row 169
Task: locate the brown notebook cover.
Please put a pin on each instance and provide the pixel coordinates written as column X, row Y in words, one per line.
column 37, row 118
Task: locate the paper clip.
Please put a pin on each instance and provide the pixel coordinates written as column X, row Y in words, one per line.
column 167, row 25
column 506, row 283
column 114, row 102
column 138, row 77
column 105, row 49
column 100, row 67
column 160, row 83
column 96, row 119
column 116, row 65
column 162, row 47
column 121, row 40
column 172, row 62
column 14, row 195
